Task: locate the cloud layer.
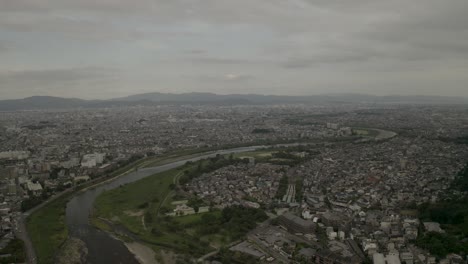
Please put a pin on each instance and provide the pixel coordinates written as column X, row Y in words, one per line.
column 108, row 48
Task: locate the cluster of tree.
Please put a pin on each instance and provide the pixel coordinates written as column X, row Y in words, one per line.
column 14, row 252
column 148, row 217
column 228, row 256
column 461, row 181
column 457, row 140
column 453, row 216
column 209, row 165
column 441, row 244
column 299, row 192
column 30, row 203
column 54, row 173
column 34, row 201
column 286, row 158
column 234, row 221
column 282, row 187
column 183, row 243
column 462, row 140
column 150, row 153
column 133, row 158
column 447, row 213
column 238, row 220
column 195, row 203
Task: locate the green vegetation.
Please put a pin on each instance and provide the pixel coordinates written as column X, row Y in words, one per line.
column 31, row 202
column 125, row 203
column 146, row 201
column 262, row 155
column 16, row 251
column 193, row 234
column 358, row 131
column 462, row 140
column 441, row 244
column 208, row 165
column 181, row 154
column 176, row 156
column 461, row 181
column 227, row 256
column 283, row 187
column 286, row 158
column 453, row 217
column 262, row 131
column 48, row 224
column 238, row 220
column 141, row 208
column 457, row 140
column 299, row 192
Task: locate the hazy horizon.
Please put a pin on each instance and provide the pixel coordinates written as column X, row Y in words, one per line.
column 107, row 49
column 281, row 95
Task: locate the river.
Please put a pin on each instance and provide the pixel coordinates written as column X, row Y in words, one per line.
column 103, row 248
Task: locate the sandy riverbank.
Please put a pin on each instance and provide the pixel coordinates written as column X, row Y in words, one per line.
column 143, row 254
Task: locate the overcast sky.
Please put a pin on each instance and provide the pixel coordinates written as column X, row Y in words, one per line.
column 111, row 48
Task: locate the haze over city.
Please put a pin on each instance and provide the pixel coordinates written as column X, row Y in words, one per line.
column 104, row 49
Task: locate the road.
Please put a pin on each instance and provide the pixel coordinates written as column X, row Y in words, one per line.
column 22, row 234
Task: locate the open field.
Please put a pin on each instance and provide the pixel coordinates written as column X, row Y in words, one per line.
column 259, row 154
column 146, row 194
column 365, row 132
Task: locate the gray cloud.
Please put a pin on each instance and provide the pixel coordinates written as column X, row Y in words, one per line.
column 60, row 81
column 3, row 47
column 208, row 60
column 309, row 46
column 56, row 75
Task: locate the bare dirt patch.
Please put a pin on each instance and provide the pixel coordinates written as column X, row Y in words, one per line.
column 134, row 213
column 143, row 254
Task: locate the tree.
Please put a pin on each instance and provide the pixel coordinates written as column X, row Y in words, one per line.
column 148, row 217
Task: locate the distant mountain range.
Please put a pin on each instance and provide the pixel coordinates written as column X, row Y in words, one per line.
column 48, row 102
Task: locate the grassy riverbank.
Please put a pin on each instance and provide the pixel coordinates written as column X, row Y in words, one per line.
column 48, row 223
column 47, row 229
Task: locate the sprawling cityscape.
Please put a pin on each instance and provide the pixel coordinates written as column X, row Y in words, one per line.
column 276, row 183
column 233, row 132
